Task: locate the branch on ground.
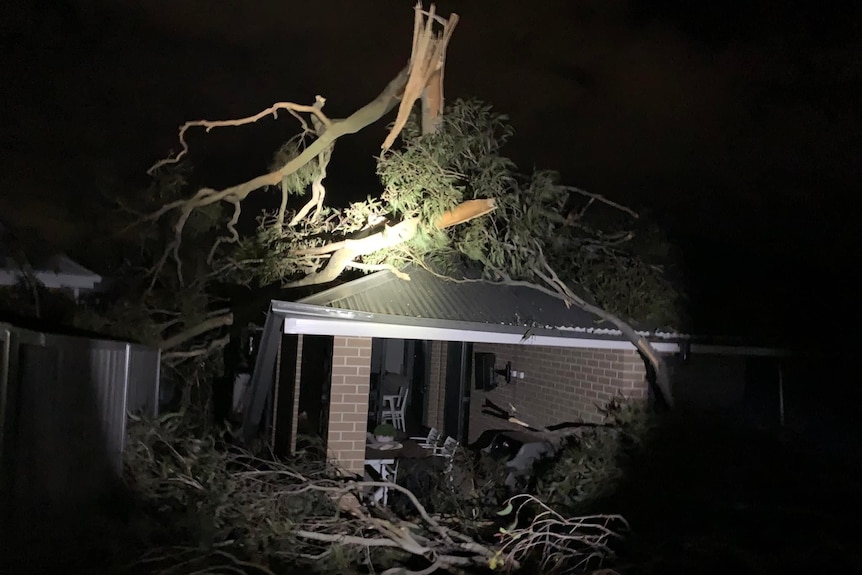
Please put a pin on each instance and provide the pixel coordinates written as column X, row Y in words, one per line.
column 196, row 330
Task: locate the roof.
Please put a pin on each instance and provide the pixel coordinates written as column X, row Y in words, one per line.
column 57, row 272
column 53, row 271
column 427, row 296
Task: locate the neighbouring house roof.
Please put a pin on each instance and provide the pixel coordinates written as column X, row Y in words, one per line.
column 56, row 271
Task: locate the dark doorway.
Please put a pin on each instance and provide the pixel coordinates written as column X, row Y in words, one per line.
column 418, row 385
column 315, row 383
column 456, row 408
column 285, row 395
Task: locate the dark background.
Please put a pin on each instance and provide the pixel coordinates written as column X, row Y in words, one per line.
column 736, row 124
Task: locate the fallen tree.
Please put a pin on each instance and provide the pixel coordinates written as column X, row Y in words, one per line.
column 254, row 515
column 448, row 196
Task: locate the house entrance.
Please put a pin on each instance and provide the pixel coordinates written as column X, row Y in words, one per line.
column 397, row 363
column 315, row 384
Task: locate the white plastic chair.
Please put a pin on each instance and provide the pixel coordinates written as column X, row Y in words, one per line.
column 450, row 445
column 447, row 451
column 429, row 441
column 395, row 408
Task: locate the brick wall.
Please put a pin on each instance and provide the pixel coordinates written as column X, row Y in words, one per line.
column 436, row 385
column 561, row 384
column 348, row 408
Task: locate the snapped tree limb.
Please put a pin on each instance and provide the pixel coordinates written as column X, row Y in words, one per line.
column 345, row 252
column 425, row 71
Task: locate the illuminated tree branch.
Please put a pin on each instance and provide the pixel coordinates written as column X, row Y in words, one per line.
column 294, row 109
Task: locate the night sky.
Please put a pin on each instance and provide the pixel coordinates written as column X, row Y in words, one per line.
column 736, row 123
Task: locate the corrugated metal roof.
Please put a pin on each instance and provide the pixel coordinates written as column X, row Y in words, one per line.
column 431, row 297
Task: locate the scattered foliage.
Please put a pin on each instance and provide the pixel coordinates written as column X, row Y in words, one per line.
column 205, row 503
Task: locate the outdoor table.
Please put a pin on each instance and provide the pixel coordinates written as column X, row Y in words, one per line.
column 381, row 459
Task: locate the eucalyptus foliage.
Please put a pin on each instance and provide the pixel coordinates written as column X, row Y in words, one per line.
column 591, row 245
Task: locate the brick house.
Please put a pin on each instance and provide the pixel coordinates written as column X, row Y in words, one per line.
column 324, row 361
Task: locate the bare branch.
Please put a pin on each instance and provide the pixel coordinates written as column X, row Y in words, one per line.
column 346, row 539
column 213, row 346
column 575, row 541
column 201, row 328
column 315, row 109
column 366, row 115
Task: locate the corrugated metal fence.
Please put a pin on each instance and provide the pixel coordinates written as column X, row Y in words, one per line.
column 63, row 406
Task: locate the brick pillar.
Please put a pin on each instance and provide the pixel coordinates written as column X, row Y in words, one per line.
column 348, row 404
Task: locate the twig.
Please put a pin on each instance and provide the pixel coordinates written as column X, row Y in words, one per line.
column 602, row 199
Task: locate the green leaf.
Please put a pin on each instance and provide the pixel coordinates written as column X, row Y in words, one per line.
column 506, row 510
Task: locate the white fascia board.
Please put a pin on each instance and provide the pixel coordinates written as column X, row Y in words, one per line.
column 347, row 328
